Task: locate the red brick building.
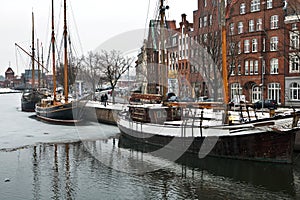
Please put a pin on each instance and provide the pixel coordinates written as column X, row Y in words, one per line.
column 256, row 49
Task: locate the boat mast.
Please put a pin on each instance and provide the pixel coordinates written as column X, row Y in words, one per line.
column 53, row 55
column 38, row 57
column 163, row 67
column 224, row 59
column 66, row 87
column 32, row 56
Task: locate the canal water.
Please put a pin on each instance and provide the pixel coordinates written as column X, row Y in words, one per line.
column 39, row 160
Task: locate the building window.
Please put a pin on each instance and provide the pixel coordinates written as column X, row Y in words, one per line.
column 174, row 41
column 295, row 91
column 231, row 28
column 269, row 4
column 274, row 44
column 255, row 66
column 240, row 27
column 251, row 25
column 274, row 91
column 205, row 21
column 259, row 24
column 205, row 3
column 242, row 8
column 232, row 49
column 251, row 67
column 274, row 66
column 246, row 67
column 239, row 69
column 246, row 46
column 294, row 40
column 294, row 63
column 235, row 89
column 294, row 26
column 256, row 94
column 254, row 45
column 274, row 22
column 232, row 69
column 200, row 22
column 239, row 47
column 210, row 20
column 255, row 5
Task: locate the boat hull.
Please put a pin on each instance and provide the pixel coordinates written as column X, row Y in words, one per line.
column 69, row 112
column 29, row 99
column 269, row 146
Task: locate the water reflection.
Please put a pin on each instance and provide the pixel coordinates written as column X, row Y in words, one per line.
column 73, row 171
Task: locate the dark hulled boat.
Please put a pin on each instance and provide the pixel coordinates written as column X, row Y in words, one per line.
column 70, row 112
column 29, row 98
column 268, row 141
column 60, row 109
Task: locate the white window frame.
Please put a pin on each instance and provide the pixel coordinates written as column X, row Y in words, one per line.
column 254, row 45
column 269, row 4
column 204, row 21
column 274, row 43
column 251, row 67
column 231, row 28
column 246, row 46
column 251, row 25
column 294, row 63
column 200, row 22
column 294, row 40
column 240, row 27
column 274, row 91
column 256, row 94
column 259, row 24
column 255, row 5
column 294, row 91
column 235, row 89
column 246, row 67
column 274, row 66
column 255, row 66
column 242, row 8
column 274, row 22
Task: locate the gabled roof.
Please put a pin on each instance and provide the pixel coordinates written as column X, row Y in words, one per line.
column 9, row 71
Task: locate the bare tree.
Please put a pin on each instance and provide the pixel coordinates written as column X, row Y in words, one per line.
column 91, row 70
column 114, row 65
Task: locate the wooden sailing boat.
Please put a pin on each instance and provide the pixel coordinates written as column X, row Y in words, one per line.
column 199, row 130
column 31, row 96
column 54, row 109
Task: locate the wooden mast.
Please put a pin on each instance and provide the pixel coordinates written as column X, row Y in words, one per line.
column 163, row 67
column 224, row 59
column 32, row 56
column 38, row 58
column 66, row 87
column 53, row 55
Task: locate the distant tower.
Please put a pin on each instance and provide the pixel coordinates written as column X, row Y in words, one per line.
column 9, row 74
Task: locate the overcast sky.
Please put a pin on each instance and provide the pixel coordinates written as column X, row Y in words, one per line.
column 92, row 23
